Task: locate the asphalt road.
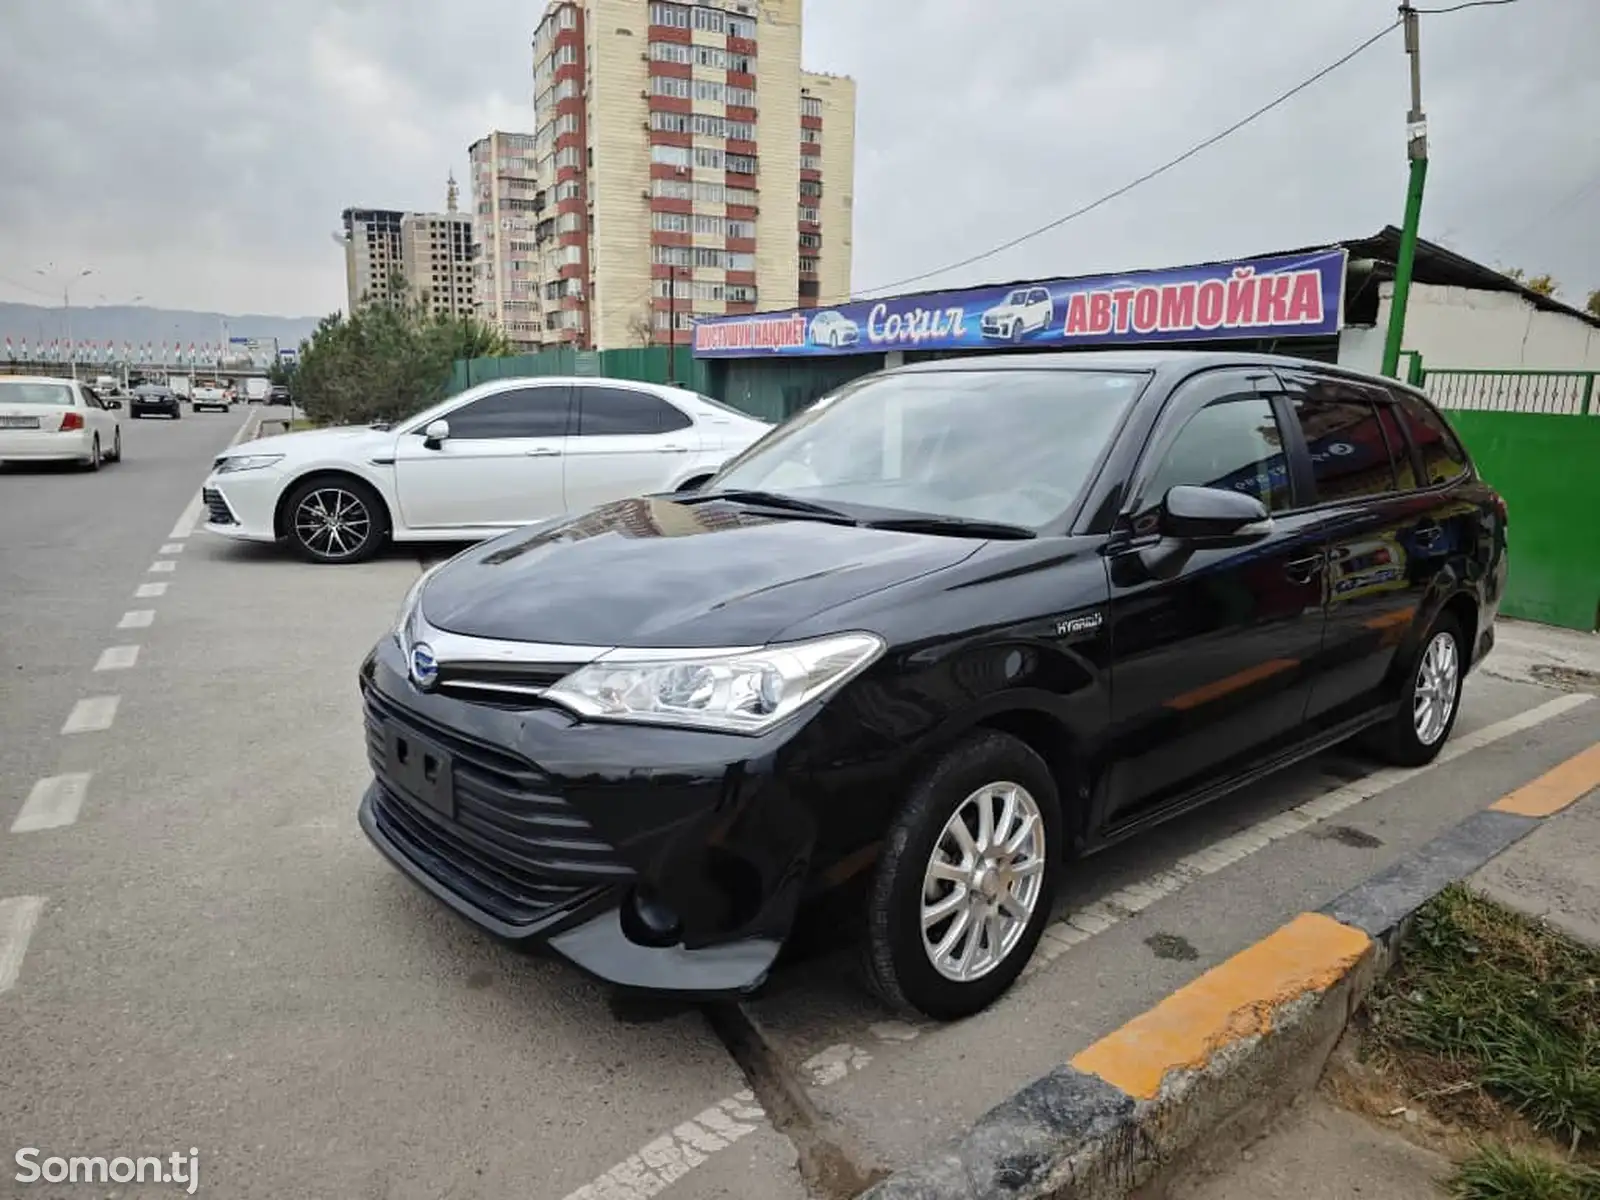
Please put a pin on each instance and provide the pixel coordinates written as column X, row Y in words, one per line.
column 199, row 949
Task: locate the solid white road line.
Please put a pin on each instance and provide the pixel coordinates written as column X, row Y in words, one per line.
column 117, row 658
column 186, row 522
column 92, row 715
column 171, row 548
column 147, row 590
column 137, row 618
column 54, row 802
column 163, row 565
column 18, row 916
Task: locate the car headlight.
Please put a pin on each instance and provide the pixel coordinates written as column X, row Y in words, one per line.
column 731, row 691
column 245, row 462
column 406, row 618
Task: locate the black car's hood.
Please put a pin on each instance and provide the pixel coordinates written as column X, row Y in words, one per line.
column 653, row 572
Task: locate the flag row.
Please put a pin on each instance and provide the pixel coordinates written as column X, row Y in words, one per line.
column 162, row 353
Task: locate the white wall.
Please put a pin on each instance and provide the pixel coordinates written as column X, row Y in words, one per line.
column 1466, row 328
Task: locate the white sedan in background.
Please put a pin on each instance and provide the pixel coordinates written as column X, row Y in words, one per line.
column 56, row 420
column 499, row 455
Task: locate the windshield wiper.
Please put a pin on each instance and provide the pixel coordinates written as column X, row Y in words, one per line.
column 958, row 526
column 766, row 500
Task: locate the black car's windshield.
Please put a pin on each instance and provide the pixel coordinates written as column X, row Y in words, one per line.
column 1012, row 446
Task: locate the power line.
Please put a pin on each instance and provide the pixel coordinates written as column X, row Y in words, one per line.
column 1560, row 206
column 1147, row 176
column 1435, row 12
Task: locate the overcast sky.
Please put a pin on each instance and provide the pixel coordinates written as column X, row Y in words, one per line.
column 198, row 152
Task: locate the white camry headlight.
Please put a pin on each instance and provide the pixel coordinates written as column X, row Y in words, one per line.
column 732, row 691
column 246, row 462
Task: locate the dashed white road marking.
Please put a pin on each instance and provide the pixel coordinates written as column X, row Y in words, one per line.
column 146, row 591
column 117, row 658
column 186, row 522
column 92, row 715
column 53, row 802
column 171, row 548
column 162, row 564
column 18, row 916
column 137, row 618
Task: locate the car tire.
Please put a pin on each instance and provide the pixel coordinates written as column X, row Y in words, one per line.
column 1431, row 700
column 368, row 526
column 914, row 963
column 116, row 446
column 1017, row 332
column 94, row 455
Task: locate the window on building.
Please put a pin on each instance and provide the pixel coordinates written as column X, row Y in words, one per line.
column 670, row 222
column 741, row 164
column 708, row 193
column 740, row 293
column 672, row 189
column 745, row 196
column 741, row 229
column 674, row 256
column 808, row 264
column 535, row 412
column 710, row 19
column 706, row 156
column 569, row 222
column 711, row 90
column 680, row 289
column 707, row 256
column 744, row 97
column 565, row 56
column 567, row 18
column 810, row 162
column 811, row 188
column 811, row 136
column 569, row 156
column 670, row 85
column 670, row 156
column 669, row 122
column 743, row 63
column 708, row 126
column 810, row 214
column 739, row 261
column 810, row 106
column 711, row 56
column 741, row 27
column 674, row 16
column 673, row 52
column 708, row 225
column 810, row 241
column 683, row 320
column 743, row 131
column 620, row 412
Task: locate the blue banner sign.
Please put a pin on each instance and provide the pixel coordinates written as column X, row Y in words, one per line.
column 1286, row 296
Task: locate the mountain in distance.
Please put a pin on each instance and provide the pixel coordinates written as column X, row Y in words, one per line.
column 137, row 324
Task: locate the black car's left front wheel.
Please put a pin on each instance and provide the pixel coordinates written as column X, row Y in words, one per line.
column 336, row 520
column 965, row 881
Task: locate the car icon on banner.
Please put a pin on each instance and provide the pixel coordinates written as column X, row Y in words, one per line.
column 834, row 329
column 1024, row 311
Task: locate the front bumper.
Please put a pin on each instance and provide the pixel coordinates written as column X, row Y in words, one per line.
column 555, row 827
column 243, row 504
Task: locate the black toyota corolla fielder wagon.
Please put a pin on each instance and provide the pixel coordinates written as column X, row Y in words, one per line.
column 942, row 634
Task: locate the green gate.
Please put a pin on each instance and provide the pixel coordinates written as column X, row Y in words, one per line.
column 1535, row 436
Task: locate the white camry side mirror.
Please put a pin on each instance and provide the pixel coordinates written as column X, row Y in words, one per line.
column 436, row 431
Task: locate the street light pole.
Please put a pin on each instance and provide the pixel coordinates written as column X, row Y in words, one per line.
column 66, row 308
column 1417, row 152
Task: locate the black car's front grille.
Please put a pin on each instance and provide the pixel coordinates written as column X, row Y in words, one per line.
column 217, row 510
column 500, row 681
column 514, row 847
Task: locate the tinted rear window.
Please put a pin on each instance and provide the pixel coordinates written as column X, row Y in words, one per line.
column 57, row 394
column 1443, row 459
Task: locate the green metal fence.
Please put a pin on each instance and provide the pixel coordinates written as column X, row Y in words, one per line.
column 650, row 364
column 1535, row 436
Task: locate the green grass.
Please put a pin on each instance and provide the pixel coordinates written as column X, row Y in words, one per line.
column 1514, row 1003
column 299, row 423
column 1494, row 1173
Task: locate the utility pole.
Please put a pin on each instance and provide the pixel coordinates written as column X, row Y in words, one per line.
column 1417, row 153
column 672, row 324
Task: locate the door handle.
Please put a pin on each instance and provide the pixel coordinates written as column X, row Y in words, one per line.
column 674, row 449
column 542, row 452
column 1301, row 570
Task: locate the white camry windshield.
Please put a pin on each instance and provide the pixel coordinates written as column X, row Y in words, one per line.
column 1014, row 446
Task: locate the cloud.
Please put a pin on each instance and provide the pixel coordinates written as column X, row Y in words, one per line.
column 199, row 152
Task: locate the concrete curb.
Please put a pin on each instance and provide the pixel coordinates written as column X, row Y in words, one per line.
column 1205, row 1070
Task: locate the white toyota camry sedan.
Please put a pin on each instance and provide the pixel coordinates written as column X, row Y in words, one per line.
column 56, row 420
column 499, row 455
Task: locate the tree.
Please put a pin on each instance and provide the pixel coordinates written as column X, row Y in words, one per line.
column 1545, row 284
column 385, row 361
column 1593, row 304
column 641, row 330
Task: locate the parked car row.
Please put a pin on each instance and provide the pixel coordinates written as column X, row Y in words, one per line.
column 719, row 672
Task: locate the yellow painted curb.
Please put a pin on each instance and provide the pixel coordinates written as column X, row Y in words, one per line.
column 1555, row 789
column 1235, row 1000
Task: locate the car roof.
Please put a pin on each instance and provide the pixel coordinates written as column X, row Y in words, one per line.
column 1153, row 361
column 34, row 379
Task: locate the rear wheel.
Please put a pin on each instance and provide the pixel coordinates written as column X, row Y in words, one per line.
column 965, row 882
column 116, row 446
column 94, row 455
column 336, row 520
column 1418, row 731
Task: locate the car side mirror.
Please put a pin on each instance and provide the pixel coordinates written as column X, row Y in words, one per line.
column 435, row 434
column 1196, row 513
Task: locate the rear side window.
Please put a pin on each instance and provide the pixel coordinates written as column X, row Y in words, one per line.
column 1405, row 471
column 1443, row 459
column 618, row 411
column 520, row 413
column 1351, row 458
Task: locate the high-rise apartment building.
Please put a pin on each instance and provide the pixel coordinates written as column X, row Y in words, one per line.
column 505, row 206
column 689, row 166
column 431, row 251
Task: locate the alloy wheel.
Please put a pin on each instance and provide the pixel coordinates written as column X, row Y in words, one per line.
column 983, row 881
column 332, row 522
column 1437, row 684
